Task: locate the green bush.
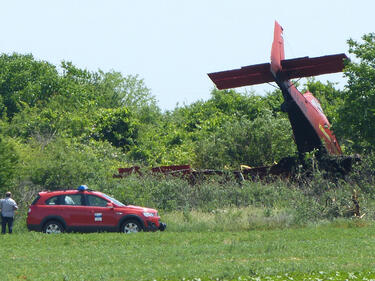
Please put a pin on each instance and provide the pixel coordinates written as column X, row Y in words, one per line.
column 62, row 164
column 9, row 163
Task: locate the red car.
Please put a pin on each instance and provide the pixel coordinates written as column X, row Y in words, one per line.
column 84, row 210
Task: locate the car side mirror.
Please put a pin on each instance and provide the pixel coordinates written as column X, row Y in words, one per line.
column 109, row 205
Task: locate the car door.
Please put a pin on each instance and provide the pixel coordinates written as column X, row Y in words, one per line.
column 101, row 215
column 75, row 211
column 53, row 207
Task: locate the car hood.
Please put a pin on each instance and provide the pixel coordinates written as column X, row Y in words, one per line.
column 143, row 209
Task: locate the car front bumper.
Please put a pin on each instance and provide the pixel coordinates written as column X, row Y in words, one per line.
column 151, row 226
column 162, row 226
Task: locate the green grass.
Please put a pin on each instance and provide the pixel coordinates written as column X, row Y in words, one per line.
column 334, row 251
column 229, row 219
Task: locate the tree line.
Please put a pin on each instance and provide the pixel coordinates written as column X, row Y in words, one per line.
column 61, row 126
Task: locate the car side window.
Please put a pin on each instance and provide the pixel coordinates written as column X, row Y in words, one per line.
column 55, row 200
column 73, row 199
column 96, row 201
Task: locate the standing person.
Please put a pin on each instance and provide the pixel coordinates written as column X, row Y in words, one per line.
column 8, row 206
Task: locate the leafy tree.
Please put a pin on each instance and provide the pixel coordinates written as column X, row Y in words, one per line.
column 227, row 102
column 257, row 142
column 77, row 97
column 357, row 114
column 224, row 131
column 272, row 101
column 163, row 142
column 25, row 81
column 64, row 163
column 117, row 127
column 107, row 89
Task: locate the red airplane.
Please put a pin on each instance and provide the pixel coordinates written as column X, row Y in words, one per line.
column 310, row 126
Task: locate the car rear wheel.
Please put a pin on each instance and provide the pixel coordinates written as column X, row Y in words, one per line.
column 53, row 227
column 131, row 226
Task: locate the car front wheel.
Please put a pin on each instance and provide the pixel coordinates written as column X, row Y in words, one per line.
column 131, row 226
column 53, row 227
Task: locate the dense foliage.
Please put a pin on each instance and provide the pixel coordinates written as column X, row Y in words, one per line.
column 357, row 114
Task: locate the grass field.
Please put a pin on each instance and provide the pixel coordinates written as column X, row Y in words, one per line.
column 342, row 250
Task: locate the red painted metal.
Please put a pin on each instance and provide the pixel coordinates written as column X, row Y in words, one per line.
column 311, row 109
column 321, row 124
column 128, row 171
column 292, row 68
column 305, row 67
column 277, row 51
column 248, row 75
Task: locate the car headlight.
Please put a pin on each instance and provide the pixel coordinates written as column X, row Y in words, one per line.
column 148, row 214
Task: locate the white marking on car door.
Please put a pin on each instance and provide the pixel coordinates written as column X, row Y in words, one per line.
column 98, row 216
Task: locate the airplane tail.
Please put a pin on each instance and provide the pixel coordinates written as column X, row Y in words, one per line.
column 277, row 51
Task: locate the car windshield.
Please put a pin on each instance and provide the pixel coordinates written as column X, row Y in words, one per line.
column 114, row 200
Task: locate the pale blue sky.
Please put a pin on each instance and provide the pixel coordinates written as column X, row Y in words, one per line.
column 173, row 44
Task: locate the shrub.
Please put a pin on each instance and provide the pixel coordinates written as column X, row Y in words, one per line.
column 63, row 164
column 9, row 163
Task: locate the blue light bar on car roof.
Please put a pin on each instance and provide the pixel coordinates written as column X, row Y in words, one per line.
column 82, row 188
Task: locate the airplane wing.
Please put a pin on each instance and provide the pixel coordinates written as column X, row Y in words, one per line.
column 305, row 67
column 244, row 76
column 291, row 68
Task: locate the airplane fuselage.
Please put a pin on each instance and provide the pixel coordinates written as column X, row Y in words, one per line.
column 311, row 127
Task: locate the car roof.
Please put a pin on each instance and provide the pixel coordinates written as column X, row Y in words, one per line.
column 68, row 191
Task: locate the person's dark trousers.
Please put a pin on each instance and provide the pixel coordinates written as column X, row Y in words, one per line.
column 4, row 222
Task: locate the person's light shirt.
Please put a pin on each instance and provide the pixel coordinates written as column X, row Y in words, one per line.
column 8, row 206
